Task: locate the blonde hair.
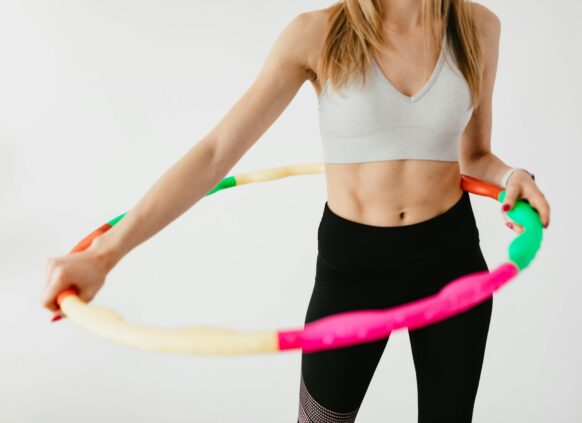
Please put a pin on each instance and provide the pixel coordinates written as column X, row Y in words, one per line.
column 356, row 26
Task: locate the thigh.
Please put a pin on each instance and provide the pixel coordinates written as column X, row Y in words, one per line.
column 448, row 355
column 334, row 382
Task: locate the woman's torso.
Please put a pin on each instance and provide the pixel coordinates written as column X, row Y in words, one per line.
column 393, row 192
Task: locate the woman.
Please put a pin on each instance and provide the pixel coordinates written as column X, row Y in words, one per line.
column 396, row 225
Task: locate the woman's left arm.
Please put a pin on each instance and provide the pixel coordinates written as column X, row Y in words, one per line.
column 476, row 158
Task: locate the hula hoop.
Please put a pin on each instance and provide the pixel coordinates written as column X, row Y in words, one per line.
column 335, row 331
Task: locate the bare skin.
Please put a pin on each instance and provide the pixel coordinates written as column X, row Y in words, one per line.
column 402, row 192
column 395, row 192
column 386, row 193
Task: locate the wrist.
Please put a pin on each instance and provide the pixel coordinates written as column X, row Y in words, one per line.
column 513, row 174
column 106, row 251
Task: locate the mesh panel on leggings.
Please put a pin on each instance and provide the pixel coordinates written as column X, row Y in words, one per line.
column 310, row 411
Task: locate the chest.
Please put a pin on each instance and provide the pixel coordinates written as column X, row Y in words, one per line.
column 441, row 102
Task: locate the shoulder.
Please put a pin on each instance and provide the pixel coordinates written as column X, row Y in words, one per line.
column 297, row 42
column 309, row 26
column 312, row 27
column 487, row 22
column 488, row 26
column 314, row 21
column 296, row 48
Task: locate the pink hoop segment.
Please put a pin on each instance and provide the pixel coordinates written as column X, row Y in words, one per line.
column 360, row 326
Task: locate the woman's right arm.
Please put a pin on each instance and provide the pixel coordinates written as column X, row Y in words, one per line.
column 194, row 174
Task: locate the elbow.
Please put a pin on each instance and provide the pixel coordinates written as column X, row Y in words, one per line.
column 470, row 161
column 223, row 153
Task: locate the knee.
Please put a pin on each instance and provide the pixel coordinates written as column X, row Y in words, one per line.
column 312, row 410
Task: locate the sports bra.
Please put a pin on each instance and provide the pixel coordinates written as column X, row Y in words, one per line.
column 375, row 121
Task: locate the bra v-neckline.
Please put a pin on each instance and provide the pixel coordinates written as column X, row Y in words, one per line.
column 427, row 85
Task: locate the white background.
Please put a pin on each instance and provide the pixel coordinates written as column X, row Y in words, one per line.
column 99, row 98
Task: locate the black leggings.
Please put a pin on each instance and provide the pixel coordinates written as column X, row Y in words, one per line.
column 362, row 266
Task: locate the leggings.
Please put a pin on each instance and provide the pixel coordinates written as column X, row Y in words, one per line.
column 362, row 266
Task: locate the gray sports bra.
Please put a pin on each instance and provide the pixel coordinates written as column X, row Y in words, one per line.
column 376, row 121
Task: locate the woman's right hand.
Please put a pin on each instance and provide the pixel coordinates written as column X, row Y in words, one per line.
column 85, row 271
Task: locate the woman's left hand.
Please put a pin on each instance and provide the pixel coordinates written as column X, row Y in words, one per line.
column 522, row 186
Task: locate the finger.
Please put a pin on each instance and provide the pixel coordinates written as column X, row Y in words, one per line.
column 48, row 265
column 514, row 226
column 509, row 222
column 539, row 203
column 58, row 315
column 87, row 294
column 511, row 195
column 54, row 287
column 46, row 298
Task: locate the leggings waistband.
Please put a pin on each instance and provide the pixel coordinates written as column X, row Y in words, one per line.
column 343, row 238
